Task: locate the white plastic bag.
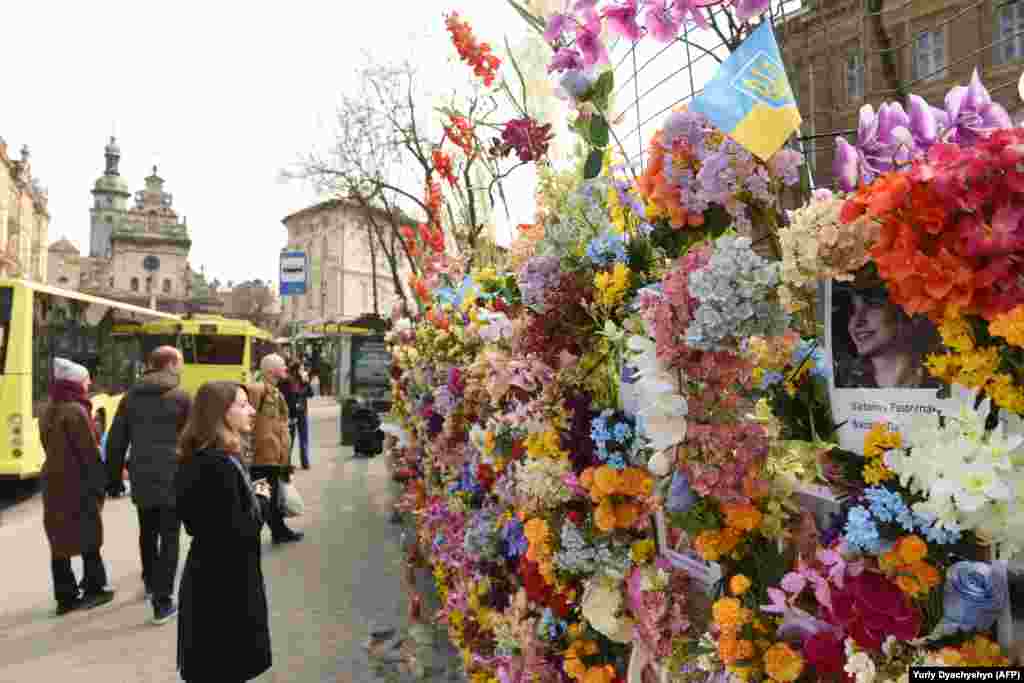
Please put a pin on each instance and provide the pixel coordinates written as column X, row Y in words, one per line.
column 289, row 500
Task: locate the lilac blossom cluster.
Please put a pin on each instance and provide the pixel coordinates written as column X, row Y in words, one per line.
column 536, row 278
column 893, row 135
column 728, row 175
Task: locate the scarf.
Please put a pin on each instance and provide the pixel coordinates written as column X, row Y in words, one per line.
column 74, row 392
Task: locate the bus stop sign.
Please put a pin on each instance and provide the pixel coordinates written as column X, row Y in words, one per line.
column 293, row 273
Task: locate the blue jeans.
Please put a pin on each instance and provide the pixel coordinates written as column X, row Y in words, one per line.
column 300, row 421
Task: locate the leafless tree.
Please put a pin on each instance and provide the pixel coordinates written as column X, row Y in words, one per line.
column 253, row 301
column 382, row 161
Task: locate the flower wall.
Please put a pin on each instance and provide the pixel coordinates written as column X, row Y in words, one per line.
column 609, row 447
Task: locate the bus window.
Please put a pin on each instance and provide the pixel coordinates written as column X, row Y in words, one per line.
column 6, row 303
column 219, row 349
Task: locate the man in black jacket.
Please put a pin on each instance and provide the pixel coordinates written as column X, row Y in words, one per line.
column 149, row 419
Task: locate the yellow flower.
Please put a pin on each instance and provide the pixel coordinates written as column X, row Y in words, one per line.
column 742, row 516
column 739, row 584
column 875, row 471
column 611, row 286
column 783, row 663
column 642, row 551
column 880, row 439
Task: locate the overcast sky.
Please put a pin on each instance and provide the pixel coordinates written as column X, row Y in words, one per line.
column 220, row 95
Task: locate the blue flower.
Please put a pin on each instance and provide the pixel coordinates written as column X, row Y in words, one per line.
column 512, row 534
column 622, row 432
column 606, row 249
column 974, row 597
column 861, row 531
column 680, row 496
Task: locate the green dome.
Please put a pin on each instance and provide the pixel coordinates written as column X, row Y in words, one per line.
column 112, row 183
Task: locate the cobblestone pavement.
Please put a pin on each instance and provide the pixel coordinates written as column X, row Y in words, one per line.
column 325, row 592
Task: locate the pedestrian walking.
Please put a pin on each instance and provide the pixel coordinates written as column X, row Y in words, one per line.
column 271, row 444
column 297, row 392
column 73, row 481
column 149, row 420
column 314, row 383
column 224, row 625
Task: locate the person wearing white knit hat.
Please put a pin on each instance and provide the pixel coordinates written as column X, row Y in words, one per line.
column 74, row 481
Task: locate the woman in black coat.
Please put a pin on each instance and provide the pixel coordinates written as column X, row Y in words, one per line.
column 223, row 624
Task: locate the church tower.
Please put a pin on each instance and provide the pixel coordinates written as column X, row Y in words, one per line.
column 110, row 203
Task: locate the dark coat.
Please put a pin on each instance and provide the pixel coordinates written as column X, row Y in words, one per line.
column 73, row 480
column 296, row 396
column 149, row 419
column 223, row 624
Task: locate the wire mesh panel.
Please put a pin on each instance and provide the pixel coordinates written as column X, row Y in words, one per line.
column 839, row 55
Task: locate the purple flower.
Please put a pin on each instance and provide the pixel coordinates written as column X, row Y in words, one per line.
column 972, row 113
column 690, row 9
column 846, row 165
column 589, row 43
column 680, row 496
column 924, row 124
column 745, row 9
column 515, row 540
column 661, row 22
column 555, row 27
column 622, row 20
column 566, row 59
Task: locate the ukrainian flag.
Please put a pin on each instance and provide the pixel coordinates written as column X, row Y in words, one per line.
column 749, row 98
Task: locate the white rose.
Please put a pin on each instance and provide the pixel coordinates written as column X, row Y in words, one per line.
column 660, row 464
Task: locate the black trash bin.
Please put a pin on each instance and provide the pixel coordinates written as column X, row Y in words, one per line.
column 369, row 437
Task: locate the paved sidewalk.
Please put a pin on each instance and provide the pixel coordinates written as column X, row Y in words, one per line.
column 324, row 592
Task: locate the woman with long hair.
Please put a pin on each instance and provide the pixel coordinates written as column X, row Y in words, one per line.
column 878, row 344
column 223, row 624
column 297, row 391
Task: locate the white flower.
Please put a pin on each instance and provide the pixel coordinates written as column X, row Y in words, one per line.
column 660, row 464
column 861, row 666
column 662, row 408
column 602, row 602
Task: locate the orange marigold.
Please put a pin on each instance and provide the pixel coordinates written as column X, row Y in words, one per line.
column 742, row 516
column 783, row 663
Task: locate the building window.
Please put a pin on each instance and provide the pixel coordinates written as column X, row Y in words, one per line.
column 1009, row 32
column 111, row 283
column 928, row 56
column 135, row 284
column 855, row 77
column 62, row 280
column 167, row 286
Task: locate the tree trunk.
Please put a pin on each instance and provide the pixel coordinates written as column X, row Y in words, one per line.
column 373, row 270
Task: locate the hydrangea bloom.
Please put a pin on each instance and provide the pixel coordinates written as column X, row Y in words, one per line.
column 536, row 277
column 606, row 249
column 736, row 294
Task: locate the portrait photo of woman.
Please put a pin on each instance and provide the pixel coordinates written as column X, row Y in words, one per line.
column 876, row 345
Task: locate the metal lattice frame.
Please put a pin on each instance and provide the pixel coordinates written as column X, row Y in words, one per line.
column 653, row 78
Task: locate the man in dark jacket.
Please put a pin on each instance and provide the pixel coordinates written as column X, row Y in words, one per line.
column 149, row 419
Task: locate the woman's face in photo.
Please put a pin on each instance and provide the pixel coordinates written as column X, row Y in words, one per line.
column 873, row 325
column 240, row 413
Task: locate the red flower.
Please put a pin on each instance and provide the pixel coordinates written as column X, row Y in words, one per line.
column 871, row 607
column 824, row 651
column 443, row 165
column 485, row 475
column 478, row 55
column 575, row 517
column 528, row 138
column 537, row 589
column 461, row 134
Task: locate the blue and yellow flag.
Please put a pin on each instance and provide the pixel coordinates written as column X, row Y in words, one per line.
column 749, row 98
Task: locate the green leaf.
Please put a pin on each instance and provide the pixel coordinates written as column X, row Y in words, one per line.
column 601, row 90
column 595, row 160
column 534, row 21
column 598, row 131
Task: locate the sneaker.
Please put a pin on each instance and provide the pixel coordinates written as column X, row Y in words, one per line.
column 97, row 598
column 164, row 613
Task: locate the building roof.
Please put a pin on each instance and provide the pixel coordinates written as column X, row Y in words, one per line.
column 64, row 245
column 331, row 204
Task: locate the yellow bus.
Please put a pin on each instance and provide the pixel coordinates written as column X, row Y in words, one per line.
column 39, row 323
column 214, row 347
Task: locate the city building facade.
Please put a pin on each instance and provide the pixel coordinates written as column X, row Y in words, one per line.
column 335, row 237
column 24, row 219
column 137, row 254
column 840, row 55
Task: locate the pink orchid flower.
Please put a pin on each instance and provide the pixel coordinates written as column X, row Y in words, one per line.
column 795, row 582
column 778, row 602
column 622, row 20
